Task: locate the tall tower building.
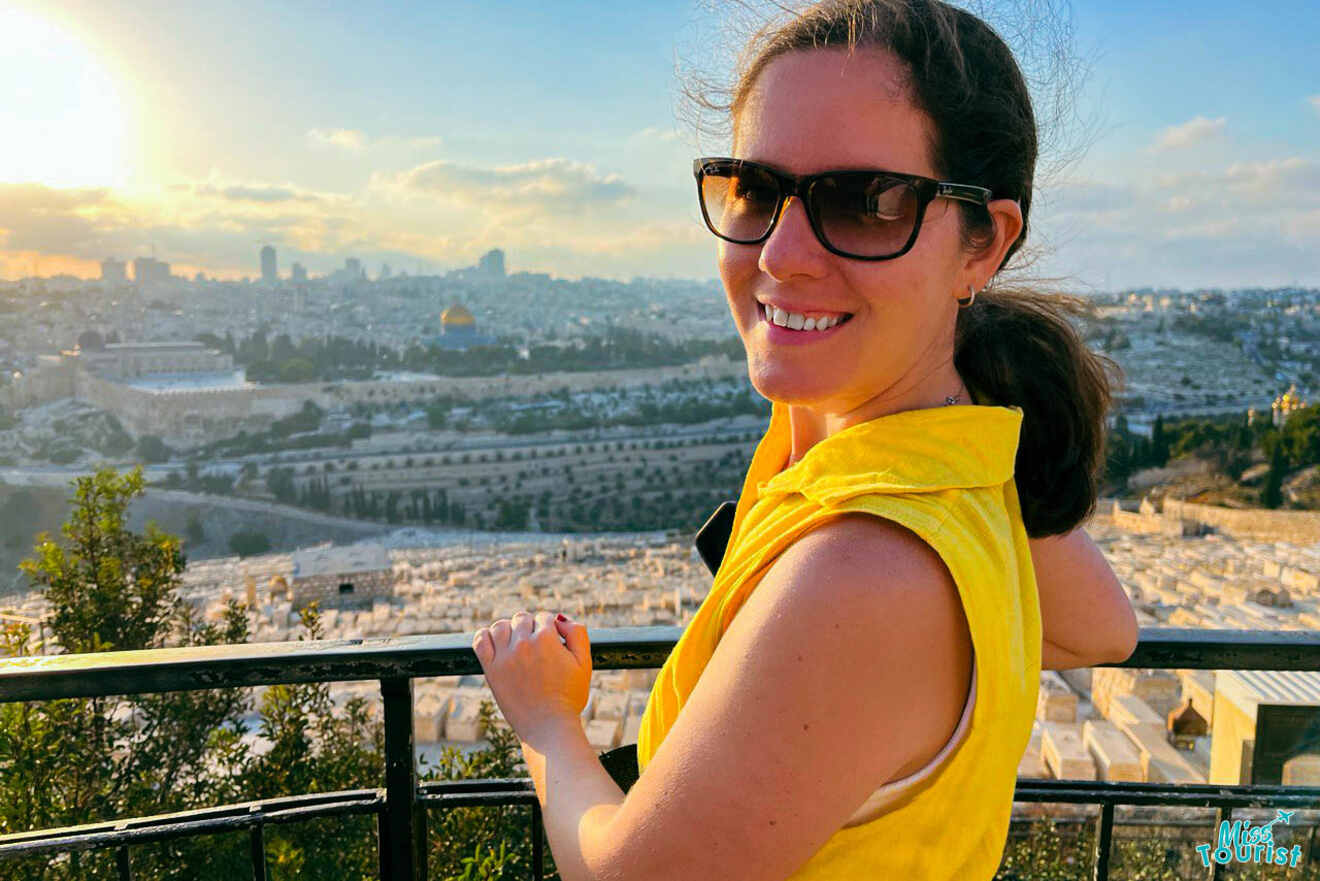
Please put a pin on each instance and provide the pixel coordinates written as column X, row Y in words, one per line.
column 147, row 270
column 492, row 263
column 113, row 270
column 268, row 273
column 299, row 273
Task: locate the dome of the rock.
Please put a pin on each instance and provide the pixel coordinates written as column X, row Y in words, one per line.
column 457, row 315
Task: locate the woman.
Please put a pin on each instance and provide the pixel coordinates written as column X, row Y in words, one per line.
column 859, row 685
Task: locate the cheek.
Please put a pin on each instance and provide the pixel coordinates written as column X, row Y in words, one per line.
column 738, row 270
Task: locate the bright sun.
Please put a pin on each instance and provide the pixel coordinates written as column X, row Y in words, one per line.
column 62, row 122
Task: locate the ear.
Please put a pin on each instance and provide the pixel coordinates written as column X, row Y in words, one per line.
column 980, row 267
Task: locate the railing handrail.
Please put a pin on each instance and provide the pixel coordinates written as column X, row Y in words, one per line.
column 187, row 668
column 401, row 806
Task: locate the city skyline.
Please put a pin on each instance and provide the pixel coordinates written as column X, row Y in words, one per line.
column 331, row 136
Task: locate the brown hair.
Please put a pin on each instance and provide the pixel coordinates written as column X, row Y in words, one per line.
column 1013, row 346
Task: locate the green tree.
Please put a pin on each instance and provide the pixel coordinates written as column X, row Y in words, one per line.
column 151, row 449
column 316, row 747
column 1271, row 495
column 110, row 588
column 19, row 512
column 194, row 530
column 69, row 762
column 1159, row 444
column 248, row 542
column 76, row 761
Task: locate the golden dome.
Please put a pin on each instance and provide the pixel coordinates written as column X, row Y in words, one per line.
column 1289, row 401
column 457, row 316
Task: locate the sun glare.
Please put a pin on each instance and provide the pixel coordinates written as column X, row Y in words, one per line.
column 62, row 122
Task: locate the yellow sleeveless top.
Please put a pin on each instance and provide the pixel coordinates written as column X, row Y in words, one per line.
column 946, row 473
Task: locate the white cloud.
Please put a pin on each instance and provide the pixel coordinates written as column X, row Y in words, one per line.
column 355, row 141
column 656, row 133
column 1314, row 101
column 1247, row 223
column 1191, row 132
column 528, row 190
column 347, row 139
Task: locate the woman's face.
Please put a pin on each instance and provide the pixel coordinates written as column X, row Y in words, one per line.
column 819, row 110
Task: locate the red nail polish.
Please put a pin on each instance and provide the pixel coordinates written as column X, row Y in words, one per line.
column 560, row 617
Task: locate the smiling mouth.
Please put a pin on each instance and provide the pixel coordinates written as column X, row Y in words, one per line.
column 800, row 321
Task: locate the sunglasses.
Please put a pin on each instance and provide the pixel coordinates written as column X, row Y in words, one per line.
column 865, row 215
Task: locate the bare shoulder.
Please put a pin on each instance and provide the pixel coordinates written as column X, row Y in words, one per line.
column 857, row 552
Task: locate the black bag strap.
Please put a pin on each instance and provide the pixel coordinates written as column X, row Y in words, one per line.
column 713, row 537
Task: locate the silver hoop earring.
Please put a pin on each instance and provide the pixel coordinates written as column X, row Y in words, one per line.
column 964, row 302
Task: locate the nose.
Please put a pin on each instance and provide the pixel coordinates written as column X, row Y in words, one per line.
column 792, row 248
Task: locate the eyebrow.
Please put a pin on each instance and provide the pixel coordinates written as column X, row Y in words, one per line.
column 832, row 168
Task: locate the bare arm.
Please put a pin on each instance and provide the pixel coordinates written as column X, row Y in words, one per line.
column 1086, row 617
column 848, row 662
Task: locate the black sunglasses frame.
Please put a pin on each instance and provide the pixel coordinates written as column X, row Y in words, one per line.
column 927, row 190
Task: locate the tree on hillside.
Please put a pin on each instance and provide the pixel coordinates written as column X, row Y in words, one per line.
column 76, row 761
column 1271, row 495
column 1159, row 444
column 109, row 588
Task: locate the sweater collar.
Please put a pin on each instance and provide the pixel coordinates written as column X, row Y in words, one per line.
column 914, row 451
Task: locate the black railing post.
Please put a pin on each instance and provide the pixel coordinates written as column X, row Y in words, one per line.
column 125, row 868
column 1216, row 869
column 403, row 855
column 1104, row 835
column 538, row 833
column 257, row 846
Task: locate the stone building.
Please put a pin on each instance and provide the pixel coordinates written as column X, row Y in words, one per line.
column 341, row 577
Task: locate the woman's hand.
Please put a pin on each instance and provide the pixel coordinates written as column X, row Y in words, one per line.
column 538, row 681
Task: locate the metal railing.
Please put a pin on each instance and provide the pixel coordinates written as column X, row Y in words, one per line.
column 401, row 804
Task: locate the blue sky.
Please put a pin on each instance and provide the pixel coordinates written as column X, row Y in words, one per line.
column 424, row 133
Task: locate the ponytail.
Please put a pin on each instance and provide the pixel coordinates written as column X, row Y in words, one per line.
column 1018, row 348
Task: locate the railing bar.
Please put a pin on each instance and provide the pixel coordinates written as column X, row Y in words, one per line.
column 1170, row 798
column 1131, row 786
column 1224, row 813
column 345, row 796
column 423, row 849
column 125, row 867
column 509, row 783
column 1103, row 839
column 189, row 668
column 538, row 857
column 143, row 835
column 257, row 842
column 492, row 799
column 400, row 780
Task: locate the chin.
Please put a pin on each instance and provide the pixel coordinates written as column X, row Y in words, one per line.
column 783, row 386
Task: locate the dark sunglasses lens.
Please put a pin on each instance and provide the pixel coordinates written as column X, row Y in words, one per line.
column 740, row 201
column 865, row 216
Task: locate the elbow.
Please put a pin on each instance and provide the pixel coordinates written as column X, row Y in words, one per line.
column 1129, row 637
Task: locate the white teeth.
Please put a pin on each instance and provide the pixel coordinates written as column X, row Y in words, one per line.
column 797, row 321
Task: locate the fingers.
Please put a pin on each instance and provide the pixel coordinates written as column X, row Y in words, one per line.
column 522, row 625
column 502, row 634
column 545, row 623
column 499, row 633
column 576, row 640
column 483, row 646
